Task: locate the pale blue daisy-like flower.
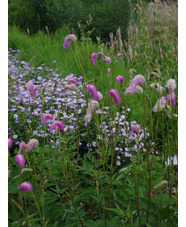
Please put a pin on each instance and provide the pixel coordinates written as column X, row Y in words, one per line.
column 94, row 144
column 15, row 136
column 118, row 163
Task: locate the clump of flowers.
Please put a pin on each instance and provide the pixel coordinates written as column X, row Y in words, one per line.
column 157, row 87
column 26, row 186
column 71, row 37
column 115, row 94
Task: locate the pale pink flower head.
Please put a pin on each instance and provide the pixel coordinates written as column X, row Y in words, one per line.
column 9, row 142
column 32, row 143
column 93, row 56
column 115, row 94
column 136, row 128
column 57, row 124
column 101, row 54
column 46, row 117
column 19, row 158
column 93, row 90
column 109, row 71
column 88, row 117
column 26, row 186
column 67, row 39
column 171, row 98
column 100, row 96
column 118, row 55
column 131, row 89
column 167, row 183
column 119, row 78
column 31, row 88
column 22, row 145
column 72, row 80
column 107, row 59
column 171, row 85
column 138, row 79
column 160, row 102
column 94, row 104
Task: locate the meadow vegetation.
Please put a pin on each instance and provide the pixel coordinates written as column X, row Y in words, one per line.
column 93, row 120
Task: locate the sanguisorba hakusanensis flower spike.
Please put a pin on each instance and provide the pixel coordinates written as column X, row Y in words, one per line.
column 107, row 59
column 71, row 37
column 171, row 85
column 57, row 124
column 115, row 94
column 171, row 98
column 19, row 158
column 109, row 71
column 157, row 87
column 93, row 90
column 160, row 102
column 136, row 128
column 72, row 80
column 119, row 78
column 25, row 186
column 22, row 145
column 31, row 88
column 9, row 142
column 46, row 117
column 32, row 143
column 118, row 55
column 138, row 79
column 93, row 56
column 99, row 95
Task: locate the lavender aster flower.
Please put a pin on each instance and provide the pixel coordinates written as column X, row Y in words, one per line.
column 56, row 124
column 26, row 186
column 19, row 158
column 93, row 56
column 46, row 117
column 114, row 93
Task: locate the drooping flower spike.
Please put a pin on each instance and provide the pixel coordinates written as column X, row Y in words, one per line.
column 109, row 71
column 107, row 59
column 136, row 128
column 32, row 143
column 171, row 98
column 31, row 88
column 57, row 124
column 67, row 39
column 26, row 186
column 115, row 94
column 118, row 55
column 9, row 142
column 93, row 90
column 99, row 95
column 22, row 145
column 72, row 80
column 171, row 85
column 19, row 158
column 46, row 117
column 93, row 56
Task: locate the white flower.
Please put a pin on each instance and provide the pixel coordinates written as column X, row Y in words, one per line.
column 171, row 85
column 157, row 86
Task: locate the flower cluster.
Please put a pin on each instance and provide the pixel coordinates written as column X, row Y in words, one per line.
column 138, row 79
column 67, row 39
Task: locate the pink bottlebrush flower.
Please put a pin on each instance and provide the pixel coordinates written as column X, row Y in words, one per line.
column 107, row 59
column 9, row 142
column 26, row 186
column 31, row 88
column 93, row 90
column 73, row 86
column 171, row 98
column 167, row 183
column 94, row 104
column 72, row 80
column 101, row 54
column 22, row 145
column 118, row 55
column 93, row 56
column 109, row 71
column 114, row 93
column 46, row 117
column 119, row 79
column 20, row 160
column 138, row 79
column 32, row 143
column 67, row 39
column 131, row 89
column 56, row 124
column 99, row 95
column 136, row 128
